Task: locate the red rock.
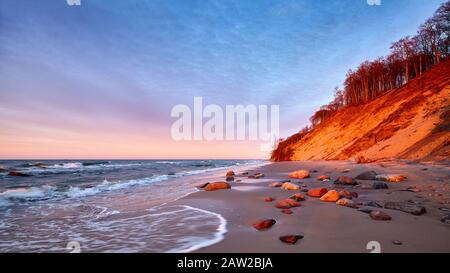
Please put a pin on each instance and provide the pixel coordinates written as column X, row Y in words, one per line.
column 229, row 178
column 297, row 197
column 286, row 211
column 390, row 177
column 345, row 180
column 290, row 239
column 317, row 192
column 264, row 224
column 229, row 173
column 268, row 199
column 330, row 196
column 346, row 194
column 259, row 175
column 276, row 184
column 379, row 215
column 286, row 204
column 18, row 174
column 201, row 185
column 290, row 186
column 301, row 174
column 217, row 186
column 346, row 203
column 323, row 177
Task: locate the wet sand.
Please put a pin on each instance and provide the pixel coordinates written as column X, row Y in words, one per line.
column 327, row 227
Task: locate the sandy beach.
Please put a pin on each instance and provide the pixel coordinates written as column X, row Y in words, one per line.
column 326, row 226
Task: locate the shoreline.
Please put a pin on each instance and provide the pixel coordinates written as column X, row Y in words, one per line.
column 327, row 227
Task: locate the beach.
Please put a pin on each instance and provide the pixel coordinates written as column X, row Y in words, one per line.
column 140, row 208
column 328, row 227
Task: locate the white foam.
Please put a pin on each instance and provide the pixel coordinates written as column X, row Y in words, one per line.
column 245, row 188
column 69, row 165
column 32, row 192
column 218, row 236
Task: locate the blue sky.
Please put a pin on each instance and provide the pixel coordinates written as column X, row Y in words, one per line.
column 69, row 73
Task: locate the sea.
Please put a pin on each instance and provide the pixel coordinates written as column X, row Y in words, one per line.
column 107, row 205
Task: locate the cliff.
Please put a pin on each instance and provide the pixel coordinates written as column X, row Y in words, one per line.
column 412, row 122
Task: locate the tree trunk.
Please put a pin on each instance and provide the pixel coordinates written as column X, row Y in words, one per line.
column 420, row 65
column 406, row 72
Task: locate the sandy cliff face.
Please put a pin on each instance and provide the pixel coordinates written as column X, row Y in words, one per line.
column 409, row 123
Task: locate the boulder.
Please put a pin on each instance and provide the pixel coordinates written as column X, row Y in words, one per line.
column 214, row 186
column 264, row 224
column 297, row 197
column 229, row 173
column 413, row 189
column 13, row 173
column 201, row 185
column 346, row 194
column 346, row 203
column 275, row 184
column 390, row 177
column 290, row 239
column 365, row 210
column 287, row 203
column 256, row 175
column 330, row 196
column 290, row 186
column 445, row 219
column 301, row 174
column 405, row 207
column 379, row 186
column 373, row 204
column 369, row 175
column 229, row 178
column 345, row 180
column 379, row 215
column 323, row 178
column 259, row 175
column 317, row 192
column 286, row 211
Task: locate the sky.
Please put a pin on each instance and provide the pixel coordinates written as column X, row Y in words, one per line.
column 99, row 80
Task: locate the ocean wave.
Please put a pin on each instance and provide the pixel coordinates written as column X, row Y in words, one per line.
column 46, row 191
column 106, row 186
column 69, row 165
column 27, row 193
column 8, row 197
column 193, row 243
column 172, row 229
